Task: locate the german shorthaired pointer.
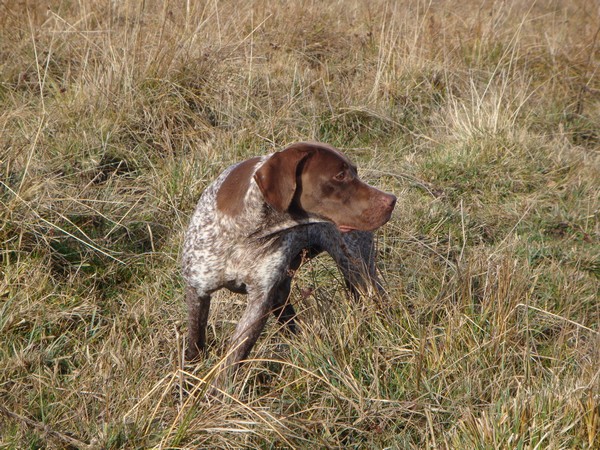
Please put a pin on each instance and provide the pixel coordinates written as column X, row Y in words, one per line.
column 260, row 218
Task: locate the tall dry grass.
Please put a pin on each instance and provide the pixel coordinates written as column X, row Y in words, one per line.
column 483, row 117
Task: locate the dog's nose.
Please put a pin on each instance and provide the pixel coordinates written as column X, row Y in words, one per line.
column 390, row 201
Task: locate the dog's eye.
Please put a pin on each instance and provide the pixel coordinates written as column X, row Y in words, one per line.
column 340, row 176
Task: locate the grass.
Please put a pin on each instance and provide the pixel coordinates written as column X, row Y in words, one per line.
column 483, row 118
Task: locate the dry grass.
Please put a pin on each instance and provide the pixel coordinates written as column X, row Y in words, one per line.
column 483, row 118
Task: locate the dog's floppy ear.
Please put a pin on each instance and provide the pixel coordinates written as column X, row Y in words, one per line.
column 276, row 178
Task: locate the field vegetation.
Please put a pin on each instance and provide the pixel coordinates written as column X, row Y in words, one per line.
column 483, row 117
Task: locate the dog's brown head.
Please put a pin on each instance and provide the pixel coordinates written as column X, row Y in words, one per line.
column 316, row 180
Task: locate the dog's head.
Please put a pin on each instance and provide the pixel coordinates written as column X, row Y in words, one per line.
column 311, row 179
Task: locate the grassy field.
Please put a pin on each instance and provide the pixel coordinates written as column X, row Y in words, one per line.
column 482, row 117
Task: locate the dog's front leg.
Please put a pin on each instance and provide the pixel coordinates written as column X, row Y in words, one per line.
column 198, row 307
column 354, row 254
column 249, row 326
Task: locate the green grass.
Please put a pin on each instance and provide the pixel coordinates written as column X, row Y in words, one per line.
column 482, row 118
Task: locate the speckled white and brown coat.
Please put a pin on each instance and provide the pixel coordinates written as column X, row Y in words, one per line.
column 257, row 221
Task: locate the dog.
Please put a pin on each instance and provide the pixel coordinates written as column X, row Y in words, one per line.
column 259, row 219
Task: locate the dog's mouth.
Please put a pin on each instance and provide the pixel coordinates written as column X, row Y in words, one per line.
column 345, row 228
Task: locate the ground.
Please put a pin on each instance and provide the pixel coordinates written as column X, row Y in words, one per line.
column 482, row 117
